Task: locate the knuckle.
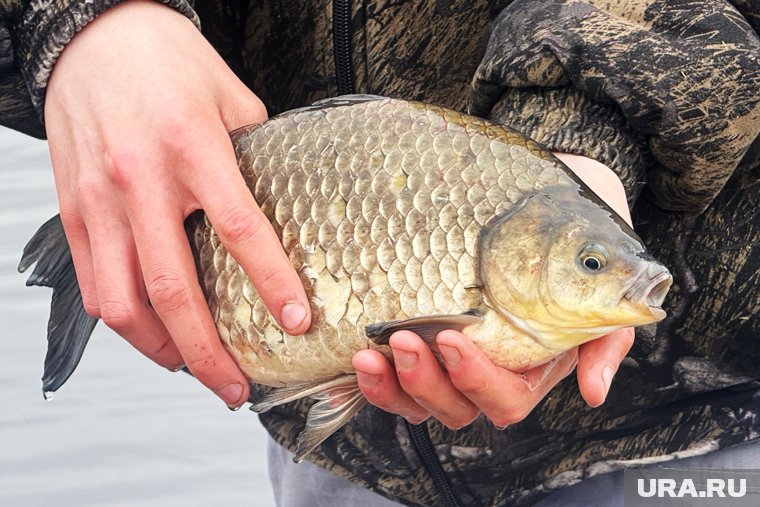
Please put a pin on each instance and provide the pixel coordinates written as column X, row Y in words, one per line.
column 178, row 130
column 410, row 383
column 478, row 379
column 89, row 190
column 120, row 166
column 384, row 400
column 249, row 109
column 91, row 307
column 457, row 423
column 472, row 385
column 509, row 417
column 259, row 110
column 416, row 419
column 164, row 353
column 240, row 223
column 273, row 286
column 254, row 104
column 163, row 347
column 167, row 291
column 117, row 315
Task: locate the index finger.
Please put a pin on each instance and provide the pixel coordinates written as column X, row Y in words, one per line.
column 248, row 235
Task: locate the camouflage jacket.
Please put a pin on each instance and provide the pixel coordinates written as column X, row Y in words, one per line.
column 664, row 92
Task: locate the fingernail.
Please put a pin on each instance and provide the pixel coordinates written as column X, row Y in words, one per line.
column 450, row 354
column 175, row 369
column 231, row 394
column 292, row 315
column 368, row 379
column 404, row 359
column 607, row 374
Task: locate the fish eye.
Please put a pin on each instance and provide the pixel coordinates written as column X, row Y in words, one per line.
column 593, row 257
column 592, row 263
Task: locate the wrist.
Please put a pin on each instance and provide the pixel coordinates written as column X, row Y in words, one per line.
column 44, row 30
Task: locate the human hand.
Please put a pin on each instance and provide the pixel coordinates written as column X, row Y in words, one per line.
column 417, row 387
column 137, row 114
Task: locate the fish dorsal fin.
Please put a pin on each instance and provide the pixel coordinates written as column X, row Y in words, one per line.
column 343, row 100
column 339, row 400
column 347, row 100
column 426, row 327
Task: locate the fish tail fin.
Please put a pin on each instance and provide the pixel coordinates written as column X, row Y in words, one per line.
column 69, row 326
column 338, row 400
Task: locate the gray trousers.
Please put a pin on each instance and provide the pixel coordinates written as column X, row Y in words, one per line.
column 307, row 485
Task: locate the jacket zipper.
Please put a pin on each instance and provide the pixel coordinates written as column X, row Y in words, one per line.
column 344, row 74
column 341, row 24
column 424, row 446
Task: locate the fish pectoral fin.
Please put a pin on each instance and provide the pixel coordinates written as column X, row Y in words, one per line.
column 295, row 392
column 426, row 327
column 334, row 409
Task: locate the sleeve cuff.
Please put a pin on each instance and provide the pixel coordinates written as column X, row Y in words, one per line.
column 43, row 34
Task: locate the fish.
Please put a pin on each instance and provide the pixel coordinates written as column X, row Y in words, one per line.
column 396, row 215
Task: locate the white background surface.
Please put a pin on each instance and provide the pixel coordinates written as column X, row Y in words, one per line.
column 122, row 431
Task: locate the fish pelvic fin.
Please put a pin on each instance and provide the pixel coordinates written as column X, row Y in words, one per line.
column 338, row 400
column 69, row 326
column 334, row 409
column 426, row 327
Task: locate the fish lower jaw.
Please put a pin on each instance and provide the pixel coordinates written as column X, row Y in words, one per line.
column 639, row 312
column 657, row 313
column 554, row 339
column 647, row 297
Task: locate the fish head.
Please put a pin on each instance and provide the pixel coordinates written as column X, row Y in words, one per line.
column 566, row 269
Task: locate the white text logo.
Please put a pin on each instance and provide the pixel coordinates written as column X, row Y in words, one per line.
column 714, row 488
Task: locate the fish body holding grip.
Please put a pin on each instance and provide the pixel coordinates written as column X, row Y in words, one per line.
column 401, row 215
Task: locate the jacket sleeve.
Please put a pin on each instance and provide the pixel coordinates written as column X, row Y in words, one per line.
column 32, row 36
column 662, row 92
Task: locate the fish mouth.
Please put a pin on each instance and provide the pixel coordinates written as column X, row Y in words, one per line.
column 650, row 293
column 658, row 289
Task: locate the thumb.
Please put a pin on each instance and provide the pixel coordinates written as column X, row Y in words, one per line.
column 598, row 362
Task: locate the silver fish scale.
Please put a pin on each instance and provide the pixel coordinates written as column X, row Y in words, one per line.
column 379, row 206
